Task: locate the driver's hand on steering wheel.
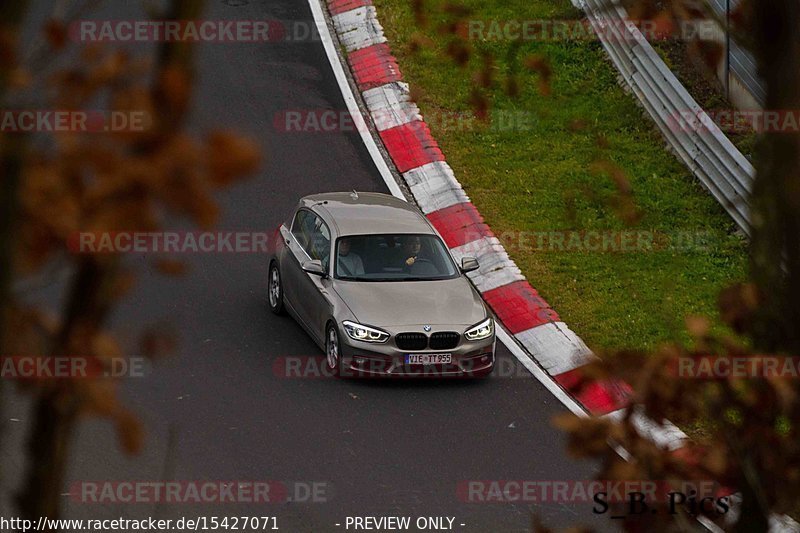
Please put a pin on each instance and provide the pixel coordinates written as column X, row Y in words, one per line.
column 410, row 261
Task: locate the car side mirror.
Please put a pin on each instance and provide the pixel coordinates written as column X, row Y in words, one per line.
column 468, row 264
column 314, row 266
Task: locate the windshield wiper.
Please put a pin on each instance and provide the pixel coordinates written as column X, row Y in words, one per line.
column 409, row 279
column 353, row 278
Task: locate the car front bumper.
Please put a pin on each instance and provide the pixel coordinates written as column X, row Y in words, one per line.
column 362, row 359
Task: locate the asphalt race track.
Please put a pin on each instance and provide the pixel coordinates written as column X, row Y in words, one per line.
column 218, row 411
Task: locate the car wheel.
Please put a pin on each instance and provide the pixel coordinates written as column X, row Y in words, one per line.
column 333, row 354
column 275, row 291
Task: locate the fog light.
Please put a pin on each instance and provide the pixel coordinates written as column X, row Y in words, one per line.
column 484, row 358
column 359, row 360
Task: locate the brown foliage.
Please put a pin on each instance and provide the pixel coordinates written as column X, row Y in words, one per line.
column 99, row 181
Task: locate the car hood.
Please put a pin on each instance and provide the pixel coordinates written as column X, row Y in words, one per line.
column 450, row 302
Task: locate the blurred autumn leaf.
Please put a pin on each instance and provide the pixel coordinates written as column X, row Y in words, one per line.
column 98, row 181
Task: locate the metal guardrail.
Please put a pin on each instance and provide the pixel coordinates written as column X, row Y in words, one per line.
column 689, row 131
column 739, row 60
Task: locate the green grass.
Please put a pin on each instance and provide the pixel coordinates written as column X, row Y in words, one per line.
column 541, row 179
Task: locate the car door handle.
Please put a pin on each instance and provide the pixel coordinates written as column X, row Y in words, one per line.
column 287, row 241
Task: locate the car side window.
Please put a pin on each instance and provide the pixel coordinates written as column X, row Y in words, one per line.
column 312, row 235
column 320, row 243
column 303, row 227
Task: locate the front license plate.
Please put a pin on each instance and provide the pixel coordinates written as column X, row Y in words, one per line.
column 429, row 359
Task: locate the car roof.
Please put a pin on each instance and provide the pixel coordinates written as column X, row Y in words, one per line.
column 367, row 214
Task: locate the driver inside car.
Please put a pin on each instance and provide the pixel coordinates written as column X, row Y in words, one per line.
column 349, row 263
column 409, row 255
column 411, row 250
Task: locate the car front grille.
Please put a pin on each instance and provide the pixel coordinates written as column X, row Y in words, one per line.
column 411, row 341
column 441, row 340
column 444, row 340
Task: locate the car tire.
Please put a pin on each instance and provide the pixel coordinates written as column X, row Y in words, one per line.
column 333, row 351
column 275, row 291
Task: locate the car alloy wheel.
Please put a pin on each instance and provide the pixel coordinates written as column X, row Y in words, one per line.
column 275, row 290
column 332, row 353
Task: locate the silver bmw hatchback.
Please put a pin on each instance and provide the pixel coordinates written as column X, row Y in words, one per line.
column 372, row 282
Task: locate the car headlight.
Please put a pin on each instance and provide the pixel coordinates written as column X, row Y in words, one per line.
column 364, row 333
column 480, row 331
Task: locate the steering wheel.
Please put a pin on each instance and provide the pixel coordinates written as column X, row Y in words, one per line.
column 424, row 267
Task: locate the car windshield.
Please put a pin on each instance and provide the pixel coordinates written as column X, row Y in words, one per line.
column 393, row 257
